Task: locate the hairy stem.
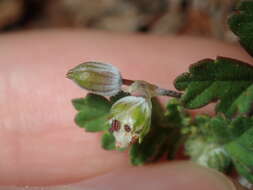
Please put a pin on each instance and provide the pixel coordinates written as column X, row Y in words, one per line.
column 171, row 93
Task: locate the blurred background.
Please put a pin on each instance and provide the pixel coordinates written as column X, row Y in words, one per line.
column 194, row 17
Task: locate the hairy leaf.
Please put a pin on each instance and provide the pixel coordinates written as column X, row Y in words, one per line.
column 241, row 23
column 164, row 136
column 241, row 152
column 108, row 141
column 227, row 80
column 209, row 135
column 93, row 112
column 202, row 144
column 207, row 153
column 220, row 129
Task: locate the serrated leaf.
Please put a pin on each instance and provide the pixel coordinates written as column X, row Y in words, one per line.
column 224, row 79
column 78, row 103
column 241, row 23
column 220, row 129
column 108, row 141
column 209, row 135
column 207, row 153
column 93, row 112
column 91, row 124
column 175, row 113
column 203, row 143
column 93, row 101
column 241, row 152
column 163, row 138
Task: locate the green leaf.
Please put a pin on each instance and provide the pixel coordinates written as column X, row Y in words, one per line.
column 209, row 135
column 108, row 141
column 207, row 153
column 241, row 152
column 220, row 129
column 91, row 100
column 204, row 144
column 227, row 80
column 175, row 114
column 93, row 112
column 241, row 23
column 78, row 103
column 164, row 136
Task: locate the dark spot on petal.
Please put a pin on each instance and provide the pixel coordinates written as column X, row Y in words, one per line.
column 134, row 139
column 111, row 130
column 115, row 126
column 127, row 128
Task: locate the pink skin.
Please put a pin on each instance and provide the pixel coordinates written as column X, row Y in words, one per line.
column 39, row 142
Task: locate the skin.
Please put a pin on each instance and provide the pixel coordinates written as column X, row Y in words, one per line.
column 39, row 142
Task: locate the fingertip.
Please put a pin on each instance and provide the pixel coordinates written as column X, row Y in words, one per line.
column 175, row 175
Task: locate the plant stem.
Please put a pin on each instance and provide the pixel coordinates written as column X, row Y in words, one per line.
column 127, row 82
column 171, row 93
column 159, row 91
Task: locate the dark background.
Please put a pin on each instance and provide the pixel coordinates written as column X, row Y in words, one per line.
column 195, row 17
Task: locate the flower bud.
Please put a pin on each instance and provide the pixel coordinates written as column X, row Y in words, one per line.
column 130, row 120
column 99, row 78
column 208, row 154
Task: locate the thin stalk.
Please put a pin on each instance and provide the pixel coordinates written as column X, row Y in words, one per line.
column 127, row 82
column 171, row 93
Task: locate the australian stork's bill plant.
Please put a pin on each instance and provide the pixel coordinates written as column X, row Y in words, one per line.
column 131, row 117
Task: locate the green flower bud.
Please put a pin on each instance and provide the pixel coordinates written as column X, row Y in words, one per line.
column 208, row 154
column 130, row 120
column 99, row 78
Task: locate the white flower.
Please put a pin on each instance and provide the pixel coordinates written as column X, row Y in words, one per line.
column 130, row 120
